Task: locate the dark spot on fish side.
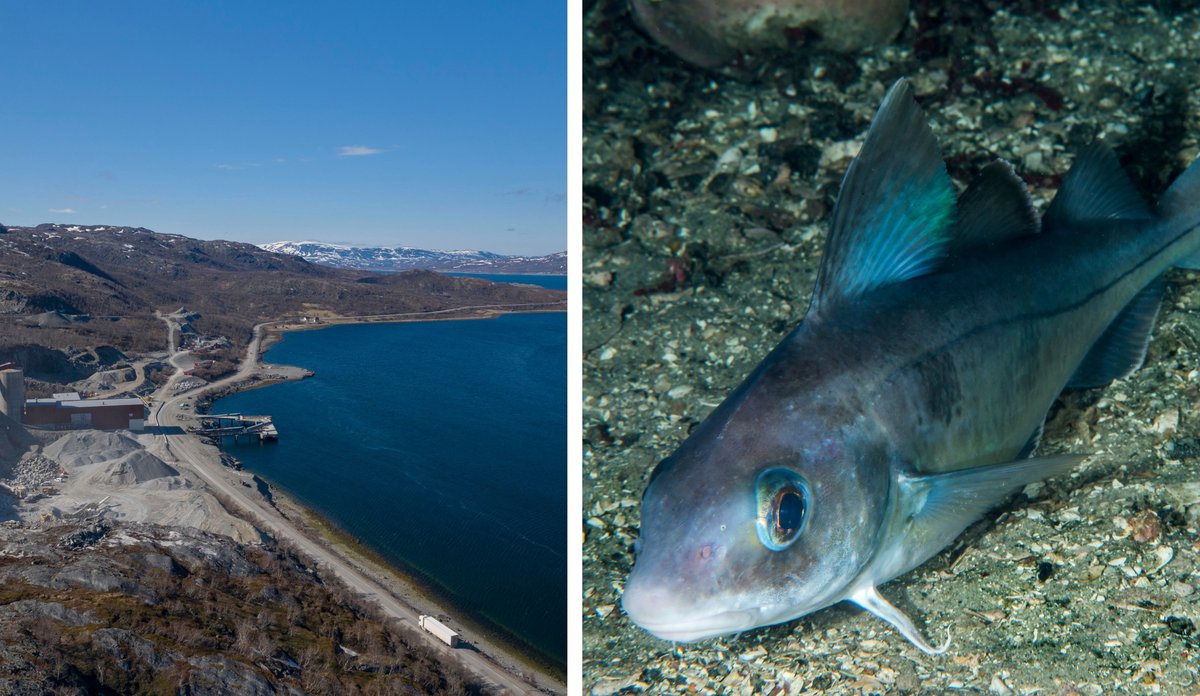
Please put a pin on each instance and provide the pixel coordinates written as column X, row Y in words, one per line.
column 1045, row 570
column 937, row 379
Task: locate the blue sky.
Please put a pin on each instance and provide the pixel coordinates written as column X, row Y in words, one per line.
column 432, row 124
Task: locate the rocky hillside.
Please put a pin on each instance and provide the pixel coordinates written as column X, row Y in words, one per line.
column 408, row 258
column 108, row 607
column 86, row 286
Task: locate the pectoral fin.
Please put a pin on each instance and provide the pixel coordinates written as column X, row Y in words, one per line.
column 942, row 505
column 868, row 598
column 930, row 511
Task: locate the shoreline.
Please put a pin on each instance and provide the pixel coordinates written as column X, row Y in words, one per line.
column 371, row 561
column 398, row 585
column 273, row 331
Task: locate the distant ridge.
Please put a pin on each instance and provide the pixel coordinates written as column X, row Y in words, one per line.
column 70, row 287
column 407, row 258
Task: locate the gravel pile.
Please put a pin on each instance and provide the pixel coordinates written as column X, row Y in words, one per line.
column 33, row 471
column 84, row 447
column 136, row 467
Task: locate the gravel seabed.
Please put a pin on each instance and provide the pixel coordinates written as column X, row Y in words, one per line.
column 707, row 195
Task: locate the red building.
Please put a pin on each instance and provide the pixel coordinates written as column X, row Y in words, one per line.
column 70, row 411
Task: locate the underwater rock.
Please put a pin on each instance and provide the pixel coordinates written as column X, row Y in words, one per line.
column 711, row 32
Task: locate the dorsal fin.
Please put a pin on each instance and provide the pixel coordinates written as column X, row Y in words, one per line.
column 1096, row 188
column 995, row 208
column 895, row 211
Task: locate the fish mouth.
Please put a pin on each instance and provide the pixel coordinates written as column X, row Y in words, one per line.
column 693, row 629
column 659, row 611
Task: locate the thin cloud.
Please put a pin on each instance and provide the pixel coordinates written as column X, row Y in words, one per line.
column 63, row 211
column 546, row 195
column 357, row 151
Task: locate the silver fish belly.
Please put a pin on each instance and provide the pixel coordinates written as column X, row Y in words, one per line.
column 907, row 401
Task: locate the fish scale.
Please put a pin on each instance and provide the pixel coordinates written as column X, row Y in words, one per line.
column 904, row 405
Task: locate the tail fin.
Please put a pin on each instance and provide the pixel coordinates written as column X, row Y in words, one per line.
column 1180, row 205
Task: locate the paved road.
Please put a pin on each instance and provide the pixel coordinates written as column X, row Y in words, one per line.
column 200, row 459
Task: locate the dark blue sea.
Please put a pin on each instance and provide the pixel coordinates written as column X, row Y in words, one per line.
column 442, row 446
column 554, row 282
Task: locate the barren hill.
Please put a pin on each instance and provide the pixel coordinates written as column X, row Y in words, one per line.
column 87, row 286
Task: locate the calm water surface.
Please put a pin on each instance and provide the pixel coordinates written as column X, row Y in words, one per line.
column 554, row 282
column 441, row 445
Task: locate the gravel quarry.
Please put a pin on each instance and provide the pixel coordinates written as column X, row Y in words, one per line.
column 91, row 474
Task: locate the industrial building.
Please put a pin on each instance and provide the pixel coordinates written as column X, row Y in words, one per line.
column 70, row 411
column 12, row 391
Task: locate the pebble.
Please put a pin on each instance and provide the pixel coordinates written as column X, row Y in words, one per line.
column 999, row 687
column 679, row 392
column 1166, row 423
column 1145, row 526
column 607, row 686
column 598, row 279
column 839, row 152
column 753, row 654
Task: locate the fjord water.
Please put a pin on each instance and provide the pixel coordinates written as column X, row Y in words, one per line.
column 441, row 446
column 554, row 282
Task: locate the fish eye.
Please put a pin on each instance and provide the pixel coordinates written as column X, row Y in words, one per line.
column 782, row 500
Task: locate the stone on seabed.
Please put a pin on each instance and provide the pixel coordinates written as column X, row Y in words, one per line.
column 711, row 32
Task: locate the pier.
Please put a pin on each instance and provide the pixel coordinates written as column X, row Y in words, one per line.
column 237, row 425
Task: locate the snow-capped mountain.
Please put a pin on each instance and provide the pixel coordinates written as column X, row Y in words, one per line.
column 407, row 258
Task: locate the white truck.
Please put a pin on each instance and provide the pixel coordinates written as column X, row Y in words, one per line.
column 439, row 629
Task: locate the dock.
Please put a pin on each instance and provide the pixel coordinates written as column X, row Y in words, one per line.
column 236, row 425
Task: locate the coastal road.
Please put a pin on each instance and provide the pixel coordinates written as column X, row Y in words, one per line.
column 204, row 461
